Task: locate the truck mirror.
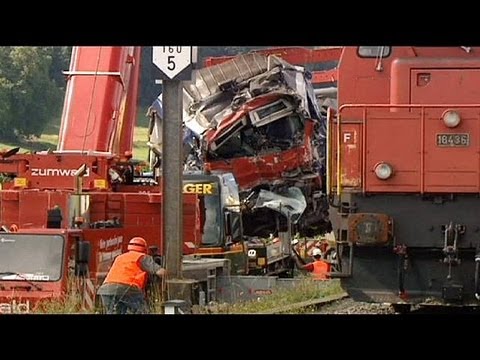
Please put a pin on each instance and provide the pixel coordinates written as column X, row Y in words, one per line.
column 83, row 252
column 82, row 258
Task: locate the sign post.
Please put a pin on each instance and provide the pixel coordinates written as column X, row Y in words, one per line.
column 175, row 63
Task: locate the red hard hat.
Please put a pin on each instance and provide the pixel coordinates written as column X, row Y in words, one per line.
column 137, row 244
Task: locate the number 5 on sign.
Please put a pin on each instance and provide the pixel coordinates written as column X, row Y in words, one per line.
column 173, row 60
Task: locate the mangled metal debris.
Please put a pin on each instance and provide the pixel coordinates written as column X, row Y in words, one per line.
column 291, row 204
column 257, row 117
column 249, row 105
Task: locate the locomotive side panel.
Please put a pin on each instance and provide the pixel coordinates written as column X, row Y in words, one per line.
column 410, row 229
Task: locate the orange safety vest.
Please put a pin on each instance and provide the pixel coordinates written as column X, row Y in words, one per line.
column 126, row 270
column 321, row 270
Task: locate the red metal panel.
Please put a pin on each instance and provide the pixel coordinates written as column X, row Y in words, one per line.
column 425, row 80
column 293, row 55
column 116, row 196
column 320, row 77
column 452, row 169
column 449, row 169
column 127, row 125
column 140, row 196
column 114, row 205
column 407, row 139
column 140, row 208
column 29, row 201
column 95, row 97
column 41, row 202
column 444, row 86
column 141, row 216
column 359, row 81
column 98, row 207
column 253, row 171
column 53, row 171
column 106, row 245
column 10, row 207
column 135, row 219
column 430, row 76
column 8, row 166
column 351, row 150
column 393, row 138
column 10, row 195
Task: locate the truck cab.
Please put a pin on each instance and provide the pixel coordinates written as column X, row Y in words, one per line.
column 37, row 266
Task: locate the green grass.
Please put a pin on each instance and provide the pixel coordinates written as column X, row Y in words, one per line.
column 305, row 290
column 69, row 303
column 49, row 138
column 140, row 138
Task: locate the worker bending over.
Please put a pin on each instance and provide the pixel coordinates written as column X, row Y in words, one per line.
column 123, row 290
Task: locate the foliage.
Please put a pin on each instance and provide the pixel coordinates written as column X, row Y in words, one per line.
column 60, row 62
column 305, row 290
column 69, row 303
column 31, row 91
column 32, row 85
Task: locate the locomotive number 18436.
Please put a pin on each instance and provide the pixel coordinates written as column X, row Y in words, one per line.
column 453, row 139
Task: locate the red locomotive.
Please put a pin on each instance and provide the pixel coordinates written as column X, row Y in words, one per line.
column 404, row 173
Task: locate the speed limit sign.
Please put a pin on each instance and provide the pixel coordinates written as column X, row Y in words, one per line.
column 175, row 62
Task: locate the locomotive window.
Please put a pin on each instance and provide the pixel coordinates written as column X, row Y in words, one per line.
column 374, row 51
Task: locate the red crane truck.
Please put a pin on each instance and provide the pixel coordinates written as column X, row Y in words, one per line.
column 66, row 214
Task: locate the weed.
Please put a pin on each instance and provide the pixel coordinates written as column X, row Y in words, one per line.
column 305, row 290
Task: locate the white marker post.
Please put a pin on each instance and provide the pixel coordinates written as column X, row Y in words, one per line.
column 175, row 63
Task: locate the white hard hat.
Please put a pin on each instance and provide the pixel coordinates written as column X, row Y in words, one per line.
column 316, row 252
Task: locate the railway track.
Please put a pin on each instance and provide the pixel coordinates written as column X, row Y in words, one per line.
column 315, row 303
column 347, row 306
column 341, row 304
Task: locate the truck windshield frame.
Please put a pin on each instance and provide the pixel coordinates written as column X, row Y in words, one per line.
column 212, row 229
column 33, row 257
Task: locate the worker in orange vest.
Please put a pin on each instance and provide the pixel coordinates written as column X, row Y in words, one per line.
column 319, row 268
column 123, row 290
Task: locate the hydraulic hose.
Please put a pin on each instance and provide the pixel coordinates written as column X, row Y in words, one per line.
column 477, row 276
column 401, row 274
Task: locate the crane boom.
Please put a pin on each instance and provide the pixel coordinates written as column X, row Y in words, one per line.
column 100, row 101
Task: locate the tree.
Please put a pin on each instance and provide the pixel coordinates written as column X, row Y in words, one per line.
column 29, row 95
column 60, row 62
column 5, row 89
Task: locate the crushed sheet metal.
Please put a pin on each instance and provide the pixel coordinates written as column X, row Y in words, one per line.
column 258, row 117
column 292, row 204
column 235, row 82
column 217, row 92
